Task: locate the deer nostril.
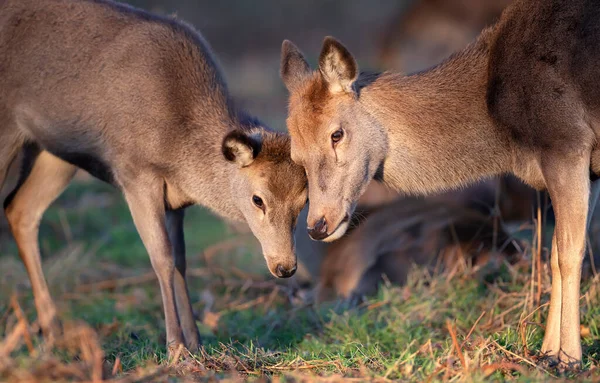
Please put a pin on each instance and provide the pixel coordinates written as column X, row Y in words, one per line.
column 282, row 272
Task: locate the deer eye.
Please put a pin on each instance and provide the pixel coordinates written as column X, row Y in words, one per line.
column 337, row 136
column 258, row 202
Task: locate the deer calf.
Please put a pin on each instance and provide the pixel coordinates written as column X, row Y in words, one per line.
column 137, row 101
column 524, row 98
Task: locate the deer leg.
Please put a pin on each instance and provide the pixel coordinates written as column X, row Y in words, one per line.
column 145, row 198
column 568, row 183
column 182, row 298
column 551, row 344
column 43, row 179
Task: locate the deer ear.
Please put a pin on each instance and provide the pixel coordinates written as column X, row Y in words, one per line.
column 241, row 147
column 337, row 66
column 294, row 67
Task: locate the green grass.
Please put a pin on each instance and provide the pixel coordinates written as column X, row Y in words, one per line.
column 252, row 328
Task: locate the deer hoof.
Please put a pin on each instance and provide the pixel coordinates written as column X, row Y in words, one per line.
column 193, row 345
column 568, row 367
column 548, row 361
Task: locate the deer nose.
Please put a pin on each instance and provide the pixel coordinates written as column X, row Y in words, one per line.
column 319, row 230
column 282, row 272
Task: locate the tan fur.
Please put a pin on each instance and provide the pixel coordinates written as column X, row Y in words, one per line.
column 522, row 99
column 138, row 101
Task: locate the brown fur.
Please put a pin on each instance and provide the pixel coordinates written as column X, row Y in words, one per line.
column 138, row 101
column 522, row 99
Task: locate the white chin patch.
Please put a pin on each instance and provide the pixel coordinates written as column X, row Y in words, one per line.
column 338, row 233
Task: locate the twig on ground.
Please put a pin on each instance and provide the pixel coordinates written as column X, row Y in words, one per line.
column 472, row 329
column 14, row 303
column 375, row 305
column 227, row 244
column 456, row 345
column 117, row 367
column 112, row 284
column 12, row 341
column 489, row 369
column 529, row 362
column 247, row 305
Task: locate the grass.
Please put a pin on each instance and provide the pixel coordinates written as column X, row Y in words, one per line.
column 473, row 325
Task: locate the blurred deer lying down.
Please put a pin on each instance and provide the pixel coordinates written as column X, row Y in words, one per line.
column 392, row 234
column 429, row 30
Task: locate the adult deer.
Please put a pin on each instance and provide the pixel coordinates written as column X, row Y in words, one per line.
column 524, row 98
column 138, row 101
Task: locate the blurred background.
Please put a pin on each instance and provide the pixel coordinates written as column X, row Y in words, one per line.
column 246, row 37
column 96, row 265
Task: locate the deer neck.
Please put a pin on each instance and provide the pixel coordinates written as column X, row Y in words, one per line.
column 440, row 135
column 201, row 174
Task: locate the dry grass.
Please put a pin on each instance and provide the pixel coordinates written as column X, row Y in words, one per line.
column 471, row 324
column 432, row 329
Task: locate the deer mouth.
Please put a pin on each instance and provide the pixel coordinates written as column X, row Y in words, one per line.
column 339, row 231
